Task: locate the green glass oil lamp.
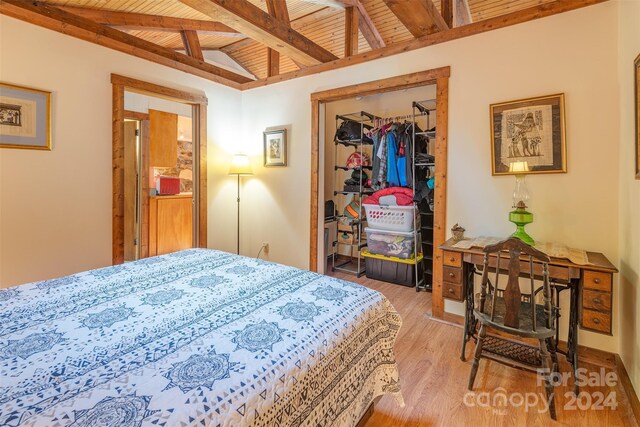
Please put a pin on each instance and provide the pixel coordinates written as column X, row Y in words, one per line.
column 520, row 216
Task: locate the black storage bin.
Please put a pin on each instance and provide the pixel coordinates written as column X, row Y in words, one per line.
column 388, row 270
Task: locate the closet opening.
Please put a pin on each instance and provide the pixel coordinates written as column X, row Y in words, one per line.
column 379, row 176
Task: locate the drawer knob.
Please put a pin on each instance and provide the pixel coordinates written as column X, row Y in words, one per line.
column 596, row 321
column 596, row 281
column 451, row 275
column 452, row 259
column 450, row 290
column 597, row 301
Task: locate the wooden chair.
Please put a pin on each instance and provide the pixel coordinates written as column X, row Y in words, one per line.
column 515, row 313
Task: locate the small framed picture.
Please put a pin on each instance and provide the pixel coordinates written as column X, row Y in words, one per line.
column 528, row 132
column 275, row 147
column 25, row 117
column 636, row 67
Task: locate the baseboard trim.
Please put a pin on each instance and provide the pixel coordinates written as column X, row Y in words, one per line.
column 627, row 386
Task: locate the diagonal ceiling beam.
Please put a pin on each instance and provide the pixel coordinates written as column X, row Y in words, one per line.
column 365, row 23
column 67, row 23
column 264, row 28
column 139, row 21
column 419, row 16
column 192, row 44
column 367, row 27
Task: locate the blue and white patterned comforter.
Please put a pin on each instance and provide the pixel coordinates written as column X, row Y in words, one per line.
column 198, row 337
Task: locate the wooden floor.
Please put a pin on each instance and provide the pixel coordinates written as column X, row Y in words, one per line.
column 434, row 379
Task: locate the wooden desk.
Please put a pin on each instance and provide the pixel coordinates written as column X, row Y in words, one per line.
column 591, row 288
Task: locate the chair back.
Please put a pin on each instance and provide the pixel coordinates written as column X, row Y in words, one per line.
column 520, row 263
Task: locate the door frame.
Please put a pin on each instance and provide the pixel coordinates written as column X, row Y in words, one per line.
column 199, row 103
column 437, row 76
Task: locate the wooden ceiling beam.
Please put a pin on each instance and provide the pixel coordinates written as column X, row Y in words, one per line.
column 510, row 19
column 277, row 9
column 350, row 31
column 419, row 16
column 368, row 28
column 139, row 21
column 192, row 44
column 252, row 21
column 446, row 10
column 76, row 26
column 461, row 13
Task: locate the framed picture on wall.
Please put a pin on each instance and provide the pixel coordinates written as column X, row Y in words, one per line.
column 528, row 132
column 636, row 67
column 25, row 117
column 275, row 147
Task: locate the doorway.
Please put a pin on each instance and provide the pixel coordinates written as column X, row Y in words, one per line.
column 159, row 170
column 319, row 100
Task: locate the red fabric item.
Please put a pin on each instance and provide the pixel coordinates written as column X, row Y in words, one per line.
column 404, row 196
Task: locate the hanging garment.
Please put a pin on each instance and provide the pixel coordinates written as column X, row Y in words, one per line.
column 382, row 155
column 393, row 178
column 376, row 136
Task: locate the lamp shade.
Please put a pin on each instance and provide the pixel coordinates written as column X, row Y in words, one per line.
column 240, row 165
column 519, row 167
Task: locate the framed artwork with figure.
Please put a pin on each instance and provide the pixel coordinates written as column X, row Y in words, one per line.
column 275, row 147
column 25, row 117
column 529, row 130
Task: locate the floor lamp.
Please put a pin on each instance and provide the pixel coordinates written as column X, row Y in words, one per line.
column 240, row 166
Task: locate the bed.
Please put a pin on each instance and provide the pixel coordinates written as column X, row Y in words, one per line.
column 197, row 337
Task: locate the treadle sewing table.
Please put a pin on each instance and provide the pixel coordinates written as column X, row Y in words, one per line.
column 590, row 286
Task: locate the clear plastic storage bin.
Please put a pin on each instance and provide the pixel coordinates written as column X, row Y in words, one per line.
column 390, row 243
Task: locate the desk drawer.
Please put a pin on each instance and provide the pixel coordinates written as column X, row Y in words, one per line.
column 597, row 281
column 452, row 275
column 452, row 259
column 596, row 321
column 452, row 291
column 593, row 300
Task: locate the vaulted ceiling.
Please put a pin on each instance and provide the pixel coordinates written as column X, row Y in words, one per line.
column 252, row 42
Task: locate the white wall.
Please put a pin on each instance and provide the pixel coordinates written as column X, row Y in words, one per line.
column 572, row 53
column 629, row 48
column 55, row 206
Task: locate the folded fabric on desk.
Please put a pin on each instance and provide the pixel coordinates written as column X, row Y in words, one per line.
column 553, row 250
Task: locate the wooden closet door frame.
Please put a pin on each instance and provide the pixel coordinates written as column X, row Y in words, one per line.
column 199, row 103
column 438, row 77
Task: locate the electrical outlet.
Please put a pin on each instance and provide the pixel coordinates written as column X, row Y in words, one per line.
column 265, row 245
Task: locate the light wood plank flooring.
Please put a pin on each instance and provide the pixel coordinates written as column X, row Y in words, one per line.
column 434, row 379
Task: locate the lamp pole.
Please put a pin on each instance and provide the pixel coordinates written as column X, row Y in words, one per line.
column 238, row 221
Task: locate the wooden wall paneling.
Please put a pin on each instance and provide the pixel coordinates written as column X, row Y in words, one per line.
column 440, row 197
column 130, row 189
column 537, row 12
column 163, row 150
column 419, row 16
column 439, row 77
column 192, row 44
column 264, row 28
column 351, row 19
column 137, row 21
column 67, row 23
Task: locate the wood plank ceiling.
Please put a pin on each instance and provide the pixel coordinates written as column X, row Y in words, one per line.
column 315, row 32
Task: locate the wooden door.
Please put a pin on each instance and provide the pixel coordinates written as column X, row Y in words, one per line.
column 170, row 224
